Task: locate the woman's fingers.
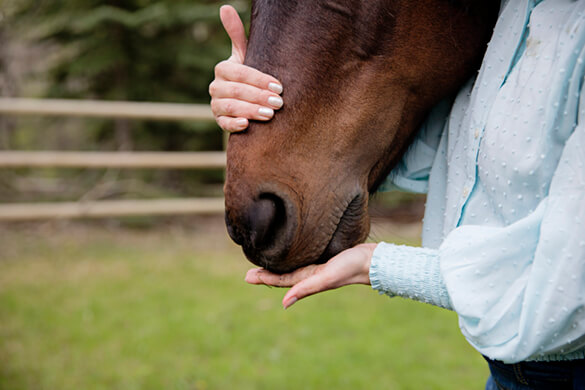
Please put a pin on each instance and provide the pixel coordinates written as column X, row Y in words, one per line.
column 262, row 276
column 232, row 125
column 312, row 285
column 235, row 108
column 305, row 281
column 232, row 71
column 235, row 102
column 235, row 29
column 240, row 93
column 221, row 89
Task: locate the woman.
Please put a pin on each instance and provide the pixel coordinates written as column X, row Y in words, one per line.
column 504, row 173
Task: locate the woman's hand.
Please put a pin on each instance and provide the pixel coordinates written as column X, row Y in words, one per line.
column 239, row 92
column 351, row 266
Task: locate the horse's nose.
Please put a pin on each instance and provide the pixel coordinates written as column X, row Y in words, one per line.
column 261, row 227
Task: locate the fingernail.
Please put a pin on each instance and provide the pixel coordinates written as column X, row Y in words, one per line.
column 275, row 101
column 242, row 123
column 265, row 111
column 290, row 302
column 276, row 88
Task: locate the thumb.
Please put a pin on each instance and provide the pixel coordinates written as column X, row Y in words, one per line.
column 235, row 29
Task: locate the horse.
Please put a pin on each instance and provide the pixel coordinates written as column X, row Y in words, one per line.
column 360, row 77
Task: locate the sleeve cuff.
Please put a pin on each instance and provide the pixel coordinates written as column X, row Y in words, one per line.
column 409, row 272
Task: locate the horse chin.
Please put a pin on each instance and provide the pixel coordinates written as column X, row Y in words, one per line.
column 352, row 229
column 268, row 262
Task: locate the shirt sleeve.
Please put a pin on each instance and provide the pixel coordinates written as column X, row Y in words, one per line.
column 519, row 290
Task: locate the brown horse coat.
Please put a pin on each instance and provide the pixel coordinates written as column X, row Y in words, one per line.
column 359, row 78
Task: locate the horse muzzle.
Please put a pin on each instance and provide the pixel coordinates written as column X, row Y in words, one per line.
column 276, row 233
column 263, row 225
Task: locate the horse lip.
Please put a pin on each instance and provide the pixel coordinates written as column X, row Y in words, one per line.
column 347, row 222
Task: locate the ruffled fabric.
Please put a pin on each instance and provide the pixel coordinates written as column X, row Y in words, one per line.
column 409, row 272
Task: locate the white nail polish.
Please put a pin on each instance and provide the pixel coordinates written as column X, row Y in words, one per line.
column 276, row 88
column 275, row 101
column 242, row 123
column 265, row 111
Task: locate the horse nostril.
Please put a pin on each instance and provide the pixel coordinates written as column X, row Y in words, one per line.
column 263, row 225
column 266, row 217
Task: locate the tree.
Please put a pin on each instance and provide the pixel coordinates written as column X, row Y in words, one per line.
column 138, row 50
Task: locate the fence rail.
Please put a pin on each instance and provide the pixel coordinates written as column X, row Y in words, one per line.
column 105, row 109
column 150, row 160
column 109, row 208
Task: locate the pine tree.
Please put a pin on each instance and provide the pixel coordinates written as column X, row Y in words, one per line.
column 135, row 50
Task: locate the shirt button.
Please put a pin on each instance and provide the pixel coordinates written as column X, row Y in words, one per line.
column 465, row 191
column 476, row 134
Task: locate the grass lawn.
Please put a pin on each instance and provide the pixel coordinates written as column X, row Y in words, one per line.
column 93, row 308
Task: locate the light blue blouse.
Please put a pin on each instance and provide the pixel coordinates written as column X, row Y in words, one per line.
column 504, row 169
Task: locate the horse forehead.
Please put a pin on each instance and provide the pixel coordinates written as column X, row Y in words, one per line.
column 352, row 10
column 364, row 25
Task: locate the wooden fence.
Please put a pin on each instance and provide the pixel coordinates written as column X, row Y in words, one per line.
column 105, row 109
column 151, row 160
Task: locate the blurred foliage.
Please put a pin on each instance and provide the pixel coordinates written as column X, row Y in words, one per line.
column 130, row 50
column 136, row 50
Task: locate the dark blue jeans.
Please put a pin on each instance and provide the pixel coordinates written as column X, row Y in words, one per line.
column 566, row 375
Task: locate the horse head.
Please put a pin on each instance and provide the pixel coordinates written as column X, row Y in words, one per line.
column 359, row 78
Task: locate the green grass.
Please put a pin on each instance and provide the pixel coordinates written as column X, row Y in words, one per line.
column 81, row 308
